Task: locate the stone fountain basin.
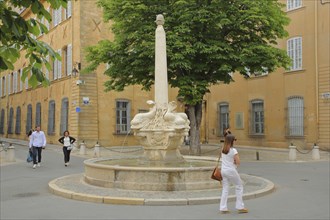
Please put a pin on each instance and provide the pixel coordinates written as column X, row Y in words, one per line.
column 134, row 173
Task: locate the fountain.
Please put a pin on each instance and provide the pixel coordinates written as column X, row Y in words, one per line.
column 153, row 177
column 161, row 132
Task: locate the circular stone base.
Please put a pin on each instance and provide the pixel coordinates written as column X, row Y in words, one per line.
column 74, row 187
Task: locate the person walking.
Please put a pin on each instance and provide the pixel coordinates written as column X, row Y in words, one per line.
column 230, row 162
column 36, row 144
column 66, row 140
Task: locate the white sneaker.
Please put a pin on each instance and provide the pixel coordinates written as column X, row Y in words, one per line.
column 38, row 165
column 34, row 166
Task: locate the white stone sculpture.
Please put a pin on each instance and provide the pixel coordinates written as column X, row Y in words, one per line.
column 161, row 130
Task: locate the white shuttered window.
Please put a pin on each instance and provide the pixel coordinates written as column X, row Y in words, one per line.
column 294, row 50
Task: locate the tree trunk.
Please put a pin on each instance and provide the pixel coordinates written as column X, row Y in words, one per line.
column 195, row 117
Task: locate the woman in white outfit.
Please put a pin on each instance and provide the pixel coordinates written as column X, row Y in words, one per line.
column 230, row 162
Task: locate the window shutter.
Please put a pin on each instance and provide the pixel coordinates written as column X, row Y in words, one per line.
column 26, row 82
column 69, row 60
column 46, row 21
column 54, row 17
column 59, row 15
column 15, row 82
column 55, row 67
column 69, row 9
column 9, row 81
column 46, row 70
column 20, row 80
column 128, row 117
column 59, row 65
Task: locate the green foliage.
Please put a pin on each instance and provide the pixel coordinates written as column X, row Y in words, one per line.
column 206, row 40
column 19, row 35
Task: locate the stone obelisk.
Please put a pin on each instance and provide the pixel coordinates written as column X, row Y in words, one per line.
column 161, row 85
column 161, row 130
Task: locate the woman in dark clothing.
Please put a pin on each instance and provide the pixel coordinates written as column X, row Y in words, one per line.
column 67, row 141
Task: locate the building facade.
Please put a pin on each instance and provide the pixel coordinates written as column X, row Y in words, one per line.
column 272, row 110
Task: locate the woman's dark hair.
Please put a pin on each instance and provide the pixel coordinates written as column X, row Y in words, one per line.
column 29, row 133
column 66, row 131
column 229, row 142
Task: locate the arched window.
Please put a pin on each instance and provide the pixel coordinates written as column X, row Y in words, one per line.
column 64, row 115
column 10, row 121
column 28, row 119
column 18, row 121
column 2, row 121
column 38, row 114
column 51, row 117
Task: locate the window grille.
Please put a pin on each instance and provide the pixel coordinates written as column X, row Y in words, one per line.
column 38, row 114
column 223, row 117
column 293, row 4
column 28, row 119
column 122, row 117
column 2, row 121
column 294, row 50
column 64, row 115
column 10, row 121
column 296, row 116
column 69, row 60
column 18, row 121
column 51, row 118
column 257, row 117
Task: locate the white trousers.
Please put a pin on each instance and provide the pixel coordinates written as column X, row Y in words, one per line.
column 231, row 176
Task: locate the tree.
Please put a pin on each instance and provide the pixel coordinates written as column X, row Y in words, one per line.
column 18, row 36
column 206, row 41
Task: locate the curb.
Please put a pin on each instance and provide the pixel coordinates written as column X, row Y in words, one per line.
column 58, row 187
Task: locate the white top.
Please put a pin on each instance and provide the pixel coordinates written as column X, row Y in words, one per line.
column 228, row 159
column 66, row 142
column 37, row 139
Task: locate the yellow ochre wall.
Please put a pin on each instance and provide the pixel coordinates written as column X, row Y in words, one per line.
column 97, row 120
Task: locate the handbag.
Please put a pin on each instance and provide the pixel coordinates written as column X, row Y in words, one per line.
column 70, row 147
column 29, row 157
column 216, row 173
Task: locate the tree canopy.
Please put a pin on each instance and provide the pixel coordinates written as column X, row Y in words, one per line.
column 18, row 36
column 206, row 41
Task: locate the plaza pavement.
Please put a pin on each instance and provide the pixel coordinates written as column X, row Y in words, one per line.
column 301, row 188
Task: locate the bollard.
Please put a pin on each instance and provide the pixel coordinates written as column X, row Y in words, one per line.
column 3, row 150
column 10, row 153
column 82, row 148
column 97, row 150
column 257, row 155
column 315, row 152
column 292, row 152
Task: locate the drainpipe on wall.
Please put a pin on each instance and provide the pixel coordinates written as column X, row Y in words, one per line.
column 316, row 66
